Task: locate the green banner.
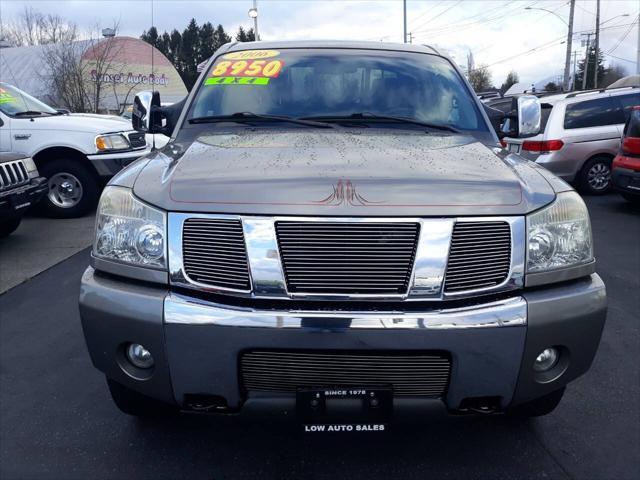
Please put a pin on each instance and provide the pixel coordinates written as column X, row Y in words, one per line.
column 237, row 81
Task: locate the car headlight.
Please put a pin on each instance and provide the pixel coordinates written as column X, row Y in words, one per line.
column 30, row 165
column 559, row 235
column 128, row 230
column 116, row 141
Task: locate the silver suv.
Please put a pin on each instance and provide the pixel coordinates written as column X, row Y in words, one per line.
column 581, row 134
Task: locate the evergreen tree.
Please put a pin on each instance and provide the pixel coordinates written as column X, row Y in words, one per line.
column 591, row 57
column 207, row 38
column 221, row 37
column 245, row 35
column 151, row 36
column 511, row 80
column 193, row 46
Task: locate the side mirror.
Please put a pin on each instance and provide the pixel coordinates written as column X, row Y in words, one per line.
column 145, row 115
column 524, row 120
column 63, row 111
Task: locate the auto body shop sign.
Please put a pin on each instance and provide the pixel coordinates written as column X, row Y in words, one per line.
column 130, row 78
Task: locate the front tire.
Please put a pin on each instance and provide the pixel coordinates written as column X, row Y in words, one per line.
column 538, row 407
column 7, row 227
column 73, row 188
column 137, row 404
column 595, row 176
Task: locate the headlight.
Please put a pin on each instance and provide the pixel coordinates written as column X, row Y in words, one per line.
column 30, row 165
column 559, row 235
column 111, row 142
column 129, row 231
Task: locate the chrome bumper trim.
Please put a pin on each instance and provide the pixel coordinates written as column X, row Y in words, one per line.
column 179, row 309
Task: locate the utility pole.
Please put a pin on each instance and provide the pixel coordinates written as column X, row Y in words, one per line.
column 586, row 61
column 638, row 52
column 567, row 60
column 255, row 21
column 404, row 17
column 574, row 54
column 595, row 69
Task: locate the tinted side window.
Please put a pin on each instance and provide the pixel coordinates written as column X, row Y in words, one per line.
column 628, row 101
column 545, row 111
column 593, row 113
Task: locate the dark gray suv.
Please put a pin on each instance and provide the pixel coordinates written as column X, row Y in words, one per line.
column 334, row 229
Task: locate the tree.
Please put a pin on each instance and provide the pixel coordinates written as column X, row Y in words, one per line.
column 614, row 72
column 511, row 80
column 480, row 78
column 591, row 63
column 187, row 50
column 245, row 35
column 551, row 87
column 35, row 28
column 151, row 37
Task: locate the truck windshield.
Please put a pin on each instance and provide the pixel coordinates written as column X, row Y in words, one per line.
column 338, row 84
column 14, row 101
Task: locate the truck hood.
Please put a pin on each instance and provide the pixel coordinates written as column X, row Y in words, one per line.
column 89, row 123
column 368, row 172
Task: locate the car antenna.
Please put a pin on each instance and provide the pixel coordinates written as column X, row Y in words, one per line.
column 153, row 83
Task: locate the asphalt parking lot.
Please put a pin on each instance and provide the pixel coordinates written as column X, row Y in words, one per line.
column 57, row 420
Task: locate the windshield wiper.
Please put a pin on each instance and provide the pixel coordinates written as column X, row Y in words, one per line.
column 372, row 116
column 247, row 117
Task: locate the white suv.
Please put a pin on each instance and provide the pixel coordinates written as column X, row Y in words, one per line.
column 581, row 134
column 77, row 153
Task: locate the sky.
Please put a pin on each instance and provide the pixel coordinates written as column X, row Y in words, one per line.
column 502, row 34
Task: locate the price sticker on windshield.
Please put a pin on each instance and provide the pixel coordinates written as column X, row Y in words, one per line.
column 5, row 97
column 246, row 71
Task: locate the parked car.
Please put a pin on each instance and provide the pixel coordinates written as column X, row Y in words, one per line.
column 580, row 136
column 77, row 153
column 331, row 221
column 626, row 165
column 20, row 187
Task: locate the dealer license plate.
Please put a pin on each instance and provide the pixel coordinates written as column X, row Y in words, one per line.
column 344, row 409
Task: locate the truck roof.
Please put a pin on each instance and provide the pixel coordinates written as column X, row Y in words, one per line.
column 352, row 44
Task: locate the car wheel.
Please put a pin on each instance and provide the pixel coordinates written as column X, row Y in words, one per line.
column 137, row 404
column 595, row 176
column 539, row 406
column 73, row 189
column 7, row 227
column 629, row 197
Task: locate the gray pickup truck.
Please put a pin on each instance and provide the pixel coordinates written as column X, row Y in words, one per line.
column 333, row 229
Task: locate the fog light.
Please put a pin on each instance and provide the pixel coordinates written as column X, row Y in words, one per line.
column 546, row 360
column 139, row 356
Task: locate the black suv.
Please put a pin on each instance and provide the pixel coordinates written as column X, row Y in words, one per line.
column 20, row 187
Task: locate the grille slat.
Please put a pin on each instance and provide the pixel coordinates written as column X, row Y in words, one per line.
column 409, row 374
column 347, row 257
column 479, row 256
column 214, row 253
column 13, row 174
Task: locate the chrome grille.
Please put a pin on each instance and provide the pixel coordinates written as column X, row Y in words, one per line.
column 410, row 374
column 13, row 174
column 214, row 253
column 347, row 257
column 480, row 256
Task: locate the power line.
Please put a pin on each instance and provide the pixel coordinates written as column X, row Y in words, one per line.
column 429, row 10
column 622, row 38
column 435, row 32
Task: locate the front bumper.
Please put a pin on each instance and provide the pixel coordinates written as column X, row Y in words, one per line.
column 108, row 164
column 196, row 344
column 16, row 201
column 626, row 180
